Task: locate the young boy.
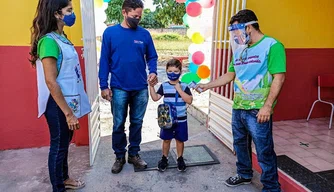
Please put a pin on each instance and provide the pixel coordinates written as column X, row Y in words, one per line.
column 169, row 90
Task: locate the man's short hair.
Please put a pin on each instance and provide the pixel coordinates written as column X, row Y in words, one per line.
column 129, row 5
column 245, row 16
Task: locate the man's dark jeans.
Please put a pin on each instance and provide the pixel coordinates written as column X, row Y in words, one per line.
column 137, row 101
column 244, row 123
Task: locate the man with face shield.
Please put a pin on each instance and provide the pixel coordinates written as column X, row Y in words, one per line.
column 258, row 70
column 126, row 51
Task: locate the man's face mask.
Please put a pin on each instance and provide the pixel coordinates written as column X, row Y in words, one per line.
column 132, row 22
column 239, row 39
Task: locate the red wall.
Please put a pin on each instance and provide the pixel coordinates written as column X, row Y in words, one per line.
column 300, row 88
column 19, row 126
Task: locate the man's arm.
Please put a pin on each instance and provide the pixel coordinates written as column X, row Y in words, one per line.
column 223, row 80
column 151, row 56
column 276, row 86
column 105, row 61
column 275, row 89
column 276, row 67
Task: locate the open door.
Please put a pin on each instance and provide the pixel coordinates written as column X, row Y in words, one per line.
column 220, row 99
column 90, row 57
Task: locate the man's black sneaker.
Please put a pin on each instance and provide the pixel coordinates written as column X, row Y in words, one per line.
column 181, row 165
column 163, row 164
column 236, row 181
column 118, row 165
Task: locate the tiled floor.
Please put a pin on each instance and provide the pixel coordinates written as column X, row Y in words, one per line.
column 311, row 143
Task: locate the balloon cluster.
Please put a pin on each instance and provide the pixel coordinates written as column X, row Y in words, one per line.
column 99, row 3
column 198, row 19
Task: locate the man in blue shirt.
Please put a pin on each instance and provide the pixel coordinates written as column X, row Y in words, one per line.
column 126, row 51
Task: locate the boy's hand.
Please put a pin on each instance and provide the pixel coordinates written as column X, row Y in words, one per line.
column 178, row 87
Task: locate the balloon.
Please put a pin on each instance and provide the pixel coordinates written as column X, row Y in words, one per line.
column 197, row 38
column 198, row 57
column 190, row 33
column 180, row 1
column 98, row 3
column 185, row 19
column 189, row 77
column 194, row 47
column 193, row 68
column 203, row 72
column 190, row 60
column 193, row 21
column 189, row 1
column 207, row 3
column 194, row 9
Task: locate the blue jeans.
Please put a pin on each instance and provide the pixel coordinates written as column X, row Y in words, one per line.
column 137, row 101
column 60, row 136
column 245, row 127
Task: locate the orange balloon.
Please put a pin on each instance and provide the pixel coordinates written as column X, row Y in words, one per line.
column 203, row 71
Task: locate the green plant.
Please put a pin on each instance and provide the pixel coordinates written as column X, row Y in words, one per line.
column 169, row 11
column 167, row 36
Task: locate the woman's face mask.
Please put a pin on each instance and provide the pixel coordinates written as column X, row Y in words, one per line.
column 69, row 20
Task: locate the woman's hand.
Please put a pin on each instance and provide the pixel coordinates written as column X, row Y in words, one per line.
column 72, row 122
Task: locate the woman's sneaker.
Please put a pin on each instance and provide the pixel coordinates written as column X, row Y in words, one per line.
column 236, row 181
column 181, row 165
column 163, row 164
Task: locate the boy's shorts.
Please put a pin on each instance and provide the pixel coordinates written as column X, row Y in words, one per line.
column 179, row 132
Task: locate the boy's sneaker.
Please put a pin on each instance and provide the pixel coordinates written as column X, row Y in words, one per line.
column 236, row 181
column 163, row 164
column 181, row 165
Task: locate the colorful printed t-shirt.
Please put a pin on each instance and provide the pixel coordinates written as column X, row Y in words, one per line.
column 254, row 68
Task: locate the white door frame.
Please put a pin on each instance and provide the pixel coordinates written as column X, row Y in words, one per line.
column 90, row 57
column 220, row 99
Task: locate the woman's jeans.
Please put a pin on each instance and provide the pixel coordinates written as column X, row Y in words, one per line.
column 60, row 137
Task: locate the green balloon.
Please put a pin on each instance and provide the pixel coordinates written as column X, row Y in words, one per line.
column 185, row 19
column 189, row 77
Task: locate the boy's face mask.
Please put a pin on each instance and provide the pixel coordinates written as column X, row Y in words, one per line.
column 173, row 76
column 239, row 39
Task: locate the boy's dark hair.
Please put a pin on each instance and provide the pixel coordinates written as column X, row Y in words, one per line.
column 174, row 63
column 129, row 5
column 245, row 16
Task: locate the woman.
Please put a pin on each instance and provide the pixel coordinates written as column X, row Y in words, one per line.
column 61, row 95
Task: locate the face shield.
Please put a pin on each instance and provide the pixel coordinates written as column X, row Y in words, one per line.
column 239, row 39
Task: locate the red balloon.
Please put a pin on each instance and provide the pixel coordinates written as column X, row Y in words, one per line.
column 198, row 57
column 207, row 3
column 194, row 9
column 181, row 1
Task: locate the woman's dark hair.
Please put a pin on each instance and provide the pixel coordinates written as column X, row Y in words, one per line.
column 44, row 22
column 174, row 63
column 245, row 16
column 129, row 5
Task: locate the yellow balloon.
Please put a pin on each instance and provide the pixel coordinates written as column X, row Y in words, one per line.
column 197, row 38
column 190, row 33
column 98, row 3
